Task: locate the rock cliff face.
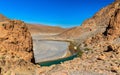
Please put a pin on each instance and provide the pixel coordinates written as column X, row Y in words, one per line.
column 16, row 40
column 16, row 49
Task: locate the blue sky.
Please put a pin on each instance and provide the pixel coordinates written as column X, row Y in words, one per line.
column 65, row 13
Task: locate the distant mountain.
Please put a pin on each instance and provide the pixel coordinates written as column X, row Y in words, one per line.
column 38, row 28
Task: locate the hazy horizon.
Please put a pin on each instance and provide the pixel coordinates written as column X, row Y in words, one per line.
column 63, row 13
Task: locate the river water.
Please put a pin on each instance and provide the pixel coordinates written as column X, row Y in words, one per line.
column 49, row 50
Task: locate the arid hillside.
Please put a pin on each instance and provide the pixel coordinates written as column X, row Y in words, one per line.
column 35, row 28
column 3, row 18
column 97, row 24
column 38, row 28
column 98, row 40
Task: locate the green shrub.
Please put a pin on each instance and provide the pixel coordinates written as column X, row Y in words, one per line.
column 79, row 54
column 87, row 49
column 75, row 49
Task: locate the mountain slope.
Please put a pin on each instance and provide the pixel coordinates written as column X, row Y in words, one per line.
column 98, row 40
column 35, row 28
column 97, row 24
column 38, row 28
column 3, row 18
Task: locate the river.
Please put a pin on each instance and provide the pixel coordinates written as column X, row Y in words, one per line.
column 49, row 50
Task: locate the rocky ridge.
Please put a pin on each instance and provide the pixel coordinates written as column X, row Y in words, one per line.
column 100, row 35
column 3, row 18
column 16, row 49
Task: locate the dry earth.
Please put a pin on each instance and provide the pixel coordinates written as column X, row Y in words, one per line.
column 44, row 29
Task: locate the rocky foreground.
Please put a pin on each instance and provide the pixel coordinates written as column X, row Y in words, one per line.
column 16, row 49
column 99, row 34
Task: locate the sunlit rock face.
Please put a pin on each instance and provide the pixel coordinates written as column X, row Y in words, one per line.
column 16, row 40
column 16, row 49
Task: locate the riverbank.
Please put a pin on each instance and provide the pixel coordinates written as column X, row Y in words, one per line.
column 50, row 50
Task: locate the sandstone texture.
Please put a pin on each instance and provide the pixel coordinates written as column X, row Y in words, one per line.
column 10, row 65
column 16, row 49
column 15, row 39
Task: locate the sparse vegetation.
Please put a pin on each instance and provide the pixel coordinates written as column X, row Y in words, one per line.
column 72, row 45
column 87, row 49
column 3, row 24
column 74, row 48
column 80, row 53
column 2, row 57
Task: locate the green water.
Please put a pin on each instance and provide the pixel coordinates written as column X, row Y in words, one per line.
column 58, row 61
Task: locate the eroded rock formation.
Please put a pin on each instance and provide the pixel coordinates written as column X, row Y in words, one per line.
column 16, row 40
column 16, row 49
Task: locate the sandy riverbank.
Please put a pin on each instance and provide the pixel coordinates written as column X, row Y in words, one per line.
column 50, row 50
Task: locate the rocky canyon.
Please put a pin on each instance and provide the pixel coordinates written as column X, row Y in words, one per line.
column 98, row 38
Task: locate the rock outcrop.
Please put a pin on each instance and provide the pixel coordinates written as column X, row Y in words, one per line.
column 16, row 49
column 16, row 40
column 11, row 65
